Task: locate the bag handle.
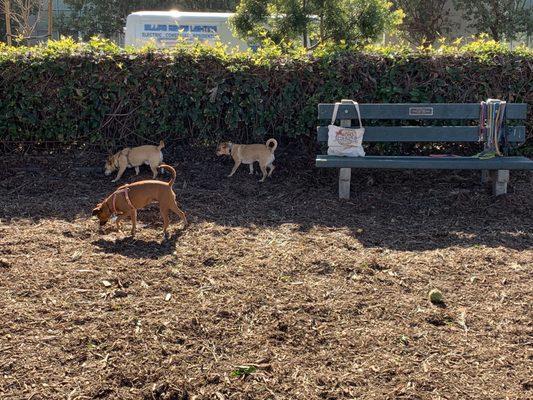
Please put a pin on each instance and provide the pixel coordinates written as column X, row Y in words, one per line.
column 335, row 111
column 355, row 104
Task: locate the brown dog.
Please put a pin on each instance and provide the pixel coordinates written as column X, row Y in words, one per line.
column 250, row 153
column 127, row 199
column 134, row 158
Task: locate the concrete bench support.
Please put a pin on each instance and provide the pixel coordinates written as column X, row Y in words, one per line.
column 345, row 176
column 485, row 177
column 499, row 179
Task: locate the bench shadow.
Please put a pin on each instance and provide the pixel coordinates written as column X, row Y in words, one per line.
column 405, row 211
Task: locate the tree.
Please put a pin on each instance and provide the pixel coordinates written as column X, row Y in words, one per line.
column 501, row 19
column 108, row 18
column 353, row 21
column 424, row 20
column 24, row 15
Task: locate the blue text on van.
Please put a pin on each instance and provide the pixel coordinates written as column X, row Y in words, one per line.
column 181, row 28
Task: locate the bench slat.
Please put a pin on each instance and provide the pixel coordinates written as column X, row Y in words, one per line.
column 416, row 111
column 407, row 162
column 516, row 134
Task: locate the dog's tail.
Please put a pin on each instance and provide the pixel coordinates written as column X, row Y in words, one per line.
column 274, row 143
column 161, row 145
column 172, row 172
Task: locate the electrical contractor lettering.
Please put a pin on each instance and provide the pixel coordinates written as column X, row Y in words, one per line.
column 164, row 32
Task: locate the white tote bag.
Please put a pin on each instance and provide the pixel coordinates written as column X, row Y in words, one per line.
column 346, row 142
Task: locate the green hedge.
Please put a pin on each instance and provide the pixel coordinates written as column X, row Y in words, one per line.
column 74, row 93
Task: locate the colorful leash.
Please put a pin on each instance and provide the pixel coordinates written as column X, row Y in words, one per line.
column 491, row 128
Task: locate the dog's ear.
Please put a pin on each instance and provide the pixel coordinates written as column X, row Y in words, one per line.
column 97, row 209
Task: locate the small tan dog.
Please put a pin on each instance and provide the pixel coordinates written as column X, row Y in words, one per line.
column 127, row 199
column 134, row 158
column 250, row 153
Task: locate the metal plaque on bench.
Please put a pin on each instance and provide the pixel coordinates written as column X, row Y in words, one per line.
column 420, row 110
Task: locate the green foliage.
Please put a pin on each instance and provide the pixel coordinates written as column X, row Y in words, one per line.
column 97, row 92
column 424, row 20
column 243, row 370
column 351, row 21
column 502, row 19
column 108, row 18
column 359, row 21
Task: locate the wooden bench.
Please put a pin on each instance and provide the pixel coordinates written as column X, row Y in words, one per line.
column 495, row 169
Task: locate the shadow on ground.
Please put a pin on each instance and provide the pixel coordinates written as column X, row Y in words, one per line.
column 139, row 247
column 403, row 210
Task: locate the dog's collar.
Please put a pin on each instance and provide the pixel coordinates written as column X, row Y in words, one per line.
column 113, row 199
column 116, row 157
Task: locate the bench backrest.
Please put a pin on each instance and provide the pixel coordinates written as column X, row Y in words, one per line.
column 464, row 113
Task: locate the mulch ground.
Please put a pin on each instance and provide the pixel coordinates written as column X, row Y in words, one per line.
column 276, row 291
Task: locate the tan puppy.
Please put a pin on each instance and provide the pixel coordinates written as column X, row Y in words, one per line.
column 250, row 153
column 133, row 158
column 127, row 199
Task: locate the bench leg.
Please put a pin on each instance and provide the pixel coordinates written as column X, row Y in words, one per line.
column 485, row 177
column 345, row 175
column 500, row 178
column 485, row 174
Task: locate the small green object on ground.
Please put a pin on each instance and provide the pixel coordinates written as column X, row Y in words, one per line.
column 243, row 370
column 436, row 297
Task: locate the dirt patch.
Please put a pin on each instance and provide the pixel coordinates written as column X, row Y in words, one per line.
column 276, row 291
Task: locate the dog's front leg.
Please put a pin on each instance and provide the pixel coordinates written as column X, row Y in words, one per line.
column 137, row 170
column 251, row 168
column 120, row 173
column 237, row 164
column 118, row 221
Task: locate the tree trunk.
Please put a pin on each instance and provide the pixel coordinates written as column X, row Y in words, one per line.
column 495, row 33
column 50, row 17
column 321, row 27
column 305, row 33
column 8, row 21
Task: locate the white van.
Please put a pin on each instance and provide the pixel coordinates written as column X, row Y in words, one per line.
column 165, row 27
